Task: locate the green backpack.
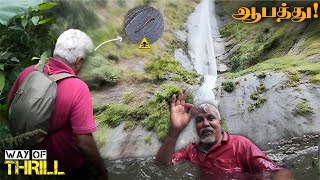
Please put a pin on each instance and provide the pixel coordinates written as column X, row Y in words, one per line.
column 34, row 101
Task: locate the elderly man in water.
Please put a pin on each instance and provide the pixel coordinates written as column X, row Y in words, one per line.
column 217, row 152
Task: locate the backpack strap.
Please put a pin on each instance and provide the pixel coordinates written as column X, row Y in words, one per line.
column 60, row 76
column 39, row 67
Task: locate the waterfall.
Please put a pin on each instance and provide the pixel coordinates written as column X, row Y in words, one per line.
column 202, row 52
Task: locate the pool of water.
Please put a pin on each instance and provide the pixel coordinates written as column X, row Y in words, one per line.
column 301, row 159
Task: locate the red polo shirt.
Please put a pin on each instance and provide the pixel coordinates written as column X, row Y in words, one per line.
column 234, row 154
column 72, row 115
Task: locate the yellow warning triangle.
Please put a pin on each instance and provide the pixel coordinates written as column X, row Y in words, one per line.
column 144, row 44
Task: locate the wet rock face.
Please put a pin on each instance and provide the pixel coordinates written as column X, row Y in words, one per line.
column 275, row 118
column 122, row 143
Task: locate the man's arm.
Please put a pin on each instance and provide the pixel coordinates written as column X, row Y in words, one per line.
column 180, row 114
column 88, row 147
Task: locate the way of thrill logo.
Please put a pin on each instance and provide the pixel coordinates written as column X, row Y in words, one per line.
column 298, row 14
column 31, row 162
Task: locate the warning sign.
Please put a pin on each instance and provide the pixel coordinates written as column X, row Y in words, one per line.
column 144, row 44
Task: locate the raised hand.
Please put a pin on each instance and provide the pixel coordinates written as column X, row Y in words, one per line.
column 181, row 112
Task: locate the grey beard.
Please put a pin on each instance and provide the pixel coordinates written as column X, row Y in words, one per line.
column 208, row 140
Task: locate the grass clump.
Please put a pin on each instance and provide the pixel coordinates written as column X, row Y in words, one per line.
column 261, row 88
column 128, row 97
column 98, row 71
column 158, row 118
column 147, row 139
column 162, row 65
column 228, row 86
column 114, row 114
column 303, row 109
column 167, row 90
column 293, row 80
column 135, row 77
column 261, row 75
column 256, row 96
column 129, row 125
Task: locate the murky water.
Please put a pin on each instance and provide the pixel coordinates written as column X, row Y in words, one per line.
column 301, row 159
column 146, row 168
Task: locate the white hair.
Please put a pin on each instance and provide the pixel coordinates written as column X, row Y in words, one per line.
column 72, row 45
column 208, row 108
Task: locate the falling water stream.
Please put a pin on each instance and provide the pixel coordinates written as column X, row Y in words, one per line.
column 202, row 51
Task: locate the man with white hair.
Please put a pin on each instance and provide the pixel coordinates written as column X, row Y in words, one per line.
column 217, row 152
column 69, row 138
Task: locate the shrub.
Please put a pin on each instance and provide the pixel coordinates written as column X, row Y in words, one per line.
column 26, row 37
column 98, row 71
column 303, row 109
column 228, row 86
column 128, row 97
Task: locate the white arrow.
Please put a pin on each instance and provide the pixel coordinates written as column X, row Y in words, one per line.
column 118, row 38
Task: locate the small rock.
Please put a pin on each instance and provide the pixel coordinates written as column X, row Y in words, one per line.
column 222, row 67
column 282, row 141
column 290, row 151
column 296, row 140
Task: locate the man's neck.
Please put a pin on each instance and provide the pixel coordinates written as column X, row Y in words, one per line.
column 65, row 62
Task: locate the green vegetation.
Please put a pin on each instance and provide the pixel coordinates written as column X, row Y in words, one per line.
column 129, row 125
column 154, row 115
column 256, row 96
column 228, row 86
column 160, row 66
column 261, row 88
column 98, row 71
column 135, row 77
column 25, row 38
column 128, row 97
column 147, row 139
column 293, row 80
column 303, row 109
column 261, row 75
column 20, row 140
column 167, row 90
column 224, row 124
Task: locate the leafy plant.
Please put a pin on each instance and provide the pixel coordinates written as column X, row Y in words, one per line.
column 25, row 38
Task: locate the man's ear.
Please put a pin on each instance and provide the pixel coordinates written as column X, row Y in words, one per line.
column 78, row 63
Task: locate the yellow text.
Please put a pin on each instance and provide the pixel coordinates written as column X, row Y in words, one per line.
column 39, row 167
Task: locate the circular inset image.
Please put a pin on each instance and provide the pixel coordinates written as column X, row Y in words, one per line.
column 144, row 21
